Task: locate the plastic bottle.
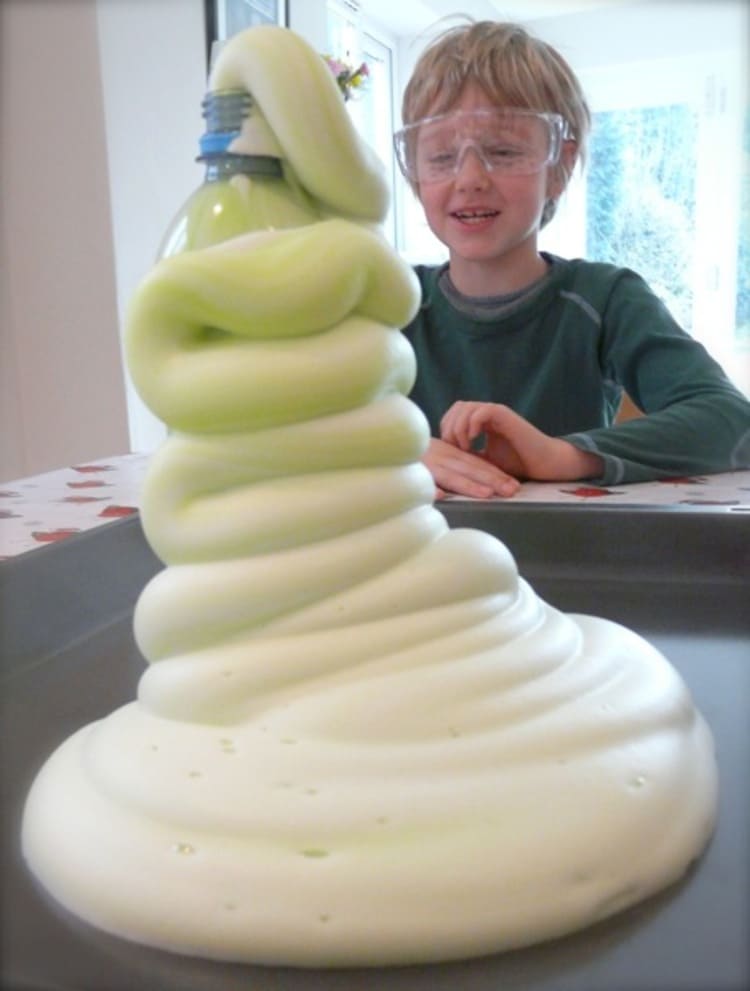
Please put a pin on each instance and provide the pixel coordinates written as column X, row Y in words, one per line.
column 247, row 186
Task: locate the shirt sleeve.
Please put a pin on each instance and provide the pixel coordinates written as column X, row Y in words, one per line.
column 697, row 422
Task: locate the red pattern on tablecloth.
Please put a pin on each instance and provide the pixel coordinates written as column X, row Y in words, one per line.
column 47, row 508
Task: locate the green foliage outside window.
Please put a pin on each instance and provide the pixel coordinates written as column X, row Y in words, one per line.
column 641, row 204
column 641, row 198
column 742, row 331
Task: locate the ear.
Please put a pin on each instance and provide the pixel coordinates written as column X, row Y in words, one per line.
column 559, row 174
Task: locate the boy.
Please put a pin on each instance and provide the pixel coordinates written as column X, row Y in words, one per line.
column 521, row 352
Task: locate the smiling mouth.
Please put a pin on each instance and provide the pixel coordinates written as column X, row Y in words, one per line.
column 474, row 216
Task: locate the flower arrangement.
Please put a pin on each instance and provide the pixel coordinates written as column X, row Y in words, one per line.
column 347, row 77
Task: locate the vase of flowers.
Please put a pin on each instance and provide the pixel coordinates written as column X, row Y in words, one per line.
column 350, row 80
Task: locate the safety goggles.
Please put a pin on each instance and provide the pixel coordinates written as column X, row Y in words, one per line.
column 510, row 141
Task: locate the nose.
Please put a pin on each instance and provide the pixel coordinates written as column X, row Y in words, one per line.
column 471, row 169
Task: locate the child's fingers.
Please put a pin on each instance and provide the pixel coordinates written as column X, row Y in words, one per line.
column 468, row 474
column 484, row 417
column 449, row 425
column 464, row 422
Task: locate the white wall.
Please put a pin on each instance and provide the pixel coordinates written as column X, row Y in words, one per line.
column 153, row 70
column 309, row 19
column 99, row 129
column 61, row 388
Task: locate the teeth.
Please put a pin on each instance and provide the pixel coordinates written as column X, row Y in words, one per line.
column 475, row 214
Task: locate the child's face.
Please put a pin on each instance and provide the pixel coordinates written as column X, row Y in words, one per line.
column 489, row 220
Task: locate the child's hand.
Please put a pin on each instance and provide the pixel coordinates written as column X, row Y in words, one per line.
column 514, row 445
column 467, row 474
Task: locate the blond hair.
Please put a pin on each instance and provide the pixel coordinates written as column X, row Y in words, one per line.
column 511, row 66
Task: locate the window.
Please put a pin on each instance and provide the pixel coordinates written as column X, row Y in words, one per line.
column 640, row 198
column 666, row 192
column 742, row 316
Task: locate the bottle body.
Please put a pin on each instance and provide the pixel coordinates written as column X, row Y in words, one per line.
column 235, row 204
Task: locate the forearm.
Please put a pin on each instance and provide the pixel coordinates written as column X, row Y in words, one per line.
column 706, row 434
column 570, row 464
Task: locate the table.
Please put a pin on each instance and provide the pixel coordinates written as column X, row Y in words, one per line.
column 679, row 573
column 47, row 508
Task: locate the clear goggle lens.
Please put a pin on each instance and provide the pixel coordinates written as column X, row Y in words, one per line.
column 514, row 142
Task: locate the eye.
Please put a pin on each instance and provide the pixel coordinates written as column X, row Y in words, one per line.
column 442, row 158
column 436, row 161
column 502, row 152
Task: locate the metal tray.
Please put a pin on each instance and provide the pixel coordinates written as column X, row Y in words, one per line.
column 682, row 578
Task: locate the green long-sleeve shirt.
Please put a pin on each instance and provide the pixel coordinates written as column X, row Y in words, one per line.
column 561, row 356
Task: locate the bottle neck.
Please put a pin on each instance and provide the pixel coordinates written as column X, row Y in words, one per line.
column 224, row 165
column 236, row 140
